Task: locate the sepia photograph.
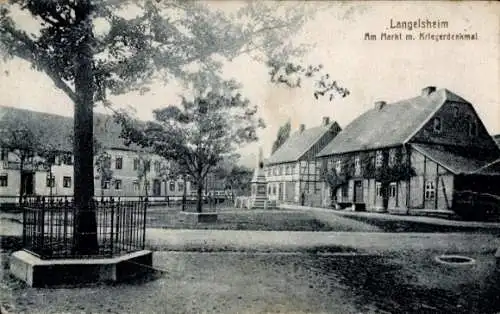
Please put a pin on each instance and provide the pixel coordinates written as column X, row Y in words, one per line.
column 238, row 156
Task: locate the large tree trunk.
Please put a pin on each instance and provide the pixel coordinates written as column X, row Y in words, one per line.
column 85, row 215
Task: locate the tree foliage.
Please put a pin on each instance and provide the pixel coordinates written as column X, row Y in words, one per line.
column 136, row 42
column 198, row 134
column 282, row 136
column 234, row 176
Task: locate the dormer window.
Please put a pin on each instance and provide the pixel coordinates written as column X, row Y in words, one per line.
column 455, row 111
column 437, row 125
column 472, row 128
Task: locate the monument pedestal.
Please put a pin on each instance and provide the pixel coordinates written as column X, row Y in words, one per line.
column 37, row 272
column 259, row 199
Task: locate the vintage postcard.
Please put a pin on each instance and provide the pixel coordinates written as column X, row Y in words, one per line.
column 164, row 156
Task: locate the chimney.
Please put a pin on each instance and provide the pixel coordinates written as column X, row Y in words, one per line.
column 326, row 121
column 426, row 91
column 302, row 127
column 380, row 104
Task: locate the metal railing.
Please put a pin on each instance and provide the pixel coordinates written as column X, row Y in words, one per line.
column 49, row 227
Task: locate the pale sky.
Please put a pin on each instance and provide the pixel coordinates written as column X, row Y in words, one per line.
column 371, row 70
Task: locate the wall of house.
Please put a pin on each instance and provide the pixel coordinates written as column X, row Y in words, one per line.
column 303, row 178
column 428, row 173
column 9, row 193
column 285, row 173
column 127, row 174
column 58, row 174
column 403, row 195
column 295, row 178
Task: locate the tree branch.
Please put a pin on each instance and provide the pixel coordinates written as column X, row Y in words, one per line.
column 29, row 51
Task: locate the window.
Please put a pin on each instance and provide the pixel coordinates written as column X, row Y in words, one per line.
column 357, row 166
column 118, row 184
column 4, row 154
column 171, row 186
column 303, row 168
column 105, row 185
column 379, row 159
column 66, row 182
column 288, row 170
column 338, row 165
column 136, row 163
column 118, row 163
column 157, row 166
column 392, row 189
column 50, row 182
column 392, row 157
column 135, row 185
column 274, row 189
column 437, row 125
column 67, row 159
column 4, row 180
column 472, row 128
column 180, row 186
column 430, row 190
column 378, row 189
column 456, row 111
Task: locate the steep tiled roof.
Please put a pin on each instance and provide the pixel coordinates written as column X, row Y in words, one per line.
column 391, row 125
column 57, row 130
column 299, row 143
column 458, row 162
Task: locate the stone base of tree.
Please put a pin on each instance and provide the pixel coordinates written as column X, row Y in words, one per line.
column 36, row 272
column 195, row 217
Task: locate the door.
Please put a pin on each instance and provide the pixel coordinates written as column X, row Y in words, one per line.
column 27, row 183
column 156, row 188
column 358, row 191
column 289, row 191
column 280, row 191
column 393, row 195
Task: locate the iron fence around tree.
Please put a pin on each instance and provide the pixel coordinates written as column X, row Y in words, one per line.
column 49, row 229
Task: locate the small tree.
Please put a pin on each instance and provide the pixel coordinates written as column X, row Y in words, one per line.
column 104, row 169
column 142, row 172
column 199, row 133
column 239, row 179
column 48, row 160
